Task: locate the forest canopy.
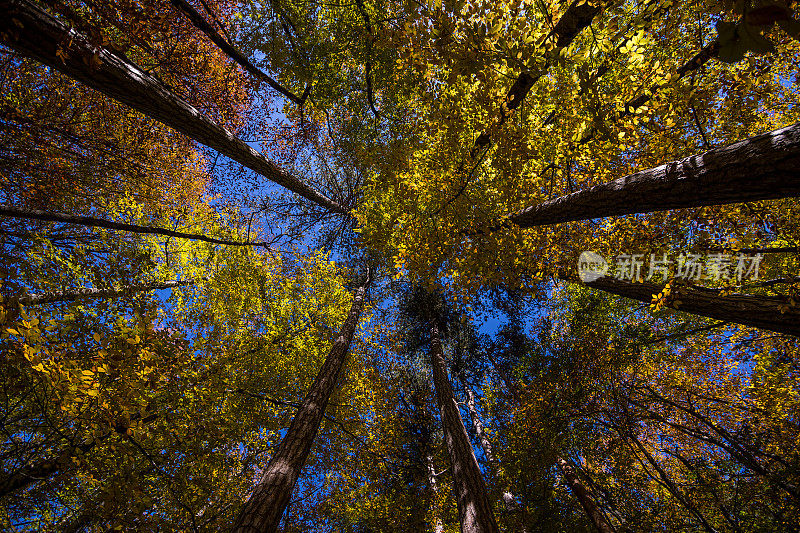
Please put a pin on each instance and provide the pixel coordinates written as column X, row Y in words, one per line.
column 399, row 265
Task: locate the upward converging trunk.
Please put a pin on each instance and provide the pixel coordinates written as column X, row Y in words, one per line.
column 263, row 510
column 33, row 32
column 94, row 222
column 582, row 494
column 763, row 167
column 765, row 312
column 509, row 501
column 234, row 53
column 438, row 526
column 474, row 507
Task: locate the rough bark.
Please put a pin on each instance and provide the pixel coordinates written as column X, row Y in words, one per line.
column 90, row 293
column 577, row 17
column 474, row 508
column 33, row 32
column 758, row 311
column 234, row 53
column 582, row 494
column 263, row 510
column 763, row 167
column 81, row 220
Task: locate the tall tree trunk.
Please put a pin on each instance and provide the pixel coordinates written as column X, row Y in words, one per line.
column 474, row 507
column 86, row 293
column 262, row 511
column 763, row 167
column 582, row 494
column 33, row 32
column 93, row 222
column 765, row 312
column 509, row 502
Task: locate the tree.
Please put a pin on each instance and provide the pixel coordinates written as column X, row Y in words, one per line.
column 174, row 328
column 269, row 499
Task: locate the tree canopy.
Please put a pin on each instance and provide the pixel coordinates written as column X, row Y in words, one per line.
column 399, row 265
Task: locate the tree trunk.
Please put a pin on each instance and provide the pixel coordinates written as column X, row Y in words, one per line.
column 762, row 312
column 262, row 511
column 85, row 293
column 509, row 502
column 763, row 167
column 92, row 222
column 28, row 475
column 231, row 51
column 577, row 17
column 33, row 32
column 474, row 508
column 438, row 527
column 583, row 496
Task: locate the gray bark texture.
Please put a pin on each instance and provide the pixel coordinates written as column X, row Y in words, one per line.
column 263, row 510
column 91, row 293
column 32, row 32
column 474, row 507
column 763, row 167
column 438, row 526
column 509, row 501
column 762, row 312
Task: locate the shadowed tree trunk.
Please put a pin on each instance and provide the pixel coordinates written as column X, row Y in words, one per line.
column 577, row 17
column 37, row 34
column 28, row 475
column 92, row 222
column 263, row 510
column 582, row 494
column 474, row 508
column 765, row 312
column 234, row 53
column 763, row 167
